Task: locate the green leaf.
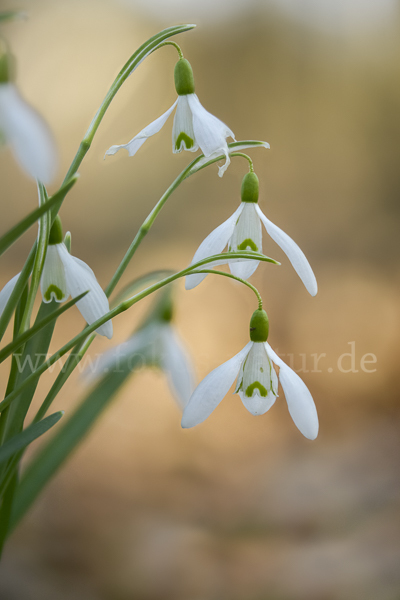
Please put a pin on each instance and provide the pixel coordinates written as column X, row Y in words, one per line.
column 12, row 15
column 32, row 358
column 69, row 436
column 31, row 433
column 27, row 335
column 15, row 232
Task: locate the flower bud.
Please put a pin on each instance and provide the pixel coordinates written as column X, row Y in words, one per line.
column 249, row 191
column 184, row 80
column 56, row 233
column 259, row 326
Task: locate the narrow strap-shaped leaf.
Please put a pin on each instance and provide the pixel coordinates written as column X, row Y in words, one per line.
column 27, row 335
column 19, row 229
column 28, row 435
column 32, row 358
column 69, row 436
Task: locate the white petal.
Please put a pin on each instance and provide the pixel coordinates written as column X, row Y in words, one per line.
column 210, row 132
column 177, row 366
column 214, row 243
column 7, row 291
column 28, row 135
column 299, row 400
column 293, row 252
column 79, row 279
column 139, row 139
column 257, row 405
column 212, row 389
column 53, row 283
column 183, row 124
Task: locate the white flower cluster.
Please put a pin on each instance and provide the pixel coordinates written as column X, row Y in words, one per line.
column 64, row 275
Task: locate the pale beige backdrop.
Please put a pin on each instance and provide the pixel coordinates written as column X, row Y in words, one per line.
column 239, row 508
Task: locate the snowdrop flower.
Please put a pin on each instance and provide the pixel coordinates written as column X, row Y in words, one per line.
column 24, row 130
column 6, row 292
column 64, row 275
column 193, row 127
column 242, row 231
column 155, row 344
column 257, row 383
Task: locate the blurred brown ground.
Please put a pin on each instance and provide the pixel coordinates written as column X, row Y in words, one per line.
column 240, row 508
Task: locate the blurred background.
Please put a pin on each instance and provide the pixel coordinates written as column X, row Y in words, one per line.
column 239, row 508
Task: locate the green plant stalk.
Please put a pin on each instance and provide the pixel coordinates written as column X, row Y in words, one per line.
column 230, row 276
column 122, row 307
column 41, row 249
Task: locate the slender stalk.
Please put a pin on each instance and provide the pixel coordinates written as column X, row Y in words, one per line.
column 225, row 274
column 41, row 249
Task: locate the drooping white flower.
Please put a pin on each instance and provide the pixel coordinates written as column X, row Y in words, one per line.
column 6, row 292
column 156, row 344
column 65, row 275
column 194, row 127
column 25, row 131
column 257, row 384
column 243, row 232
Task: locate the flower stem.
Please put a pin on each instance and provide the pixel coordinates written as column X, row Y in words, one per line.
column 170, row 43
column 249, row 285
column 246, row 157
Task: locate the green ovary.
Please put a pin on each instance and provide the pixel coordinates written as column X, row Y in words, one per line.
column 248, row 244
column 256, row 385
column 185, row 139
column 53, row 289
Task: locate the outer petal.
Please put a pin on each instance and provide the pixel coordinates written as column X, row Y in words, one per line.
column 80, row 279
column 299, row 400
column 139, row 139
column 28, row 135
column 53, row 283
column 177, row 366
column 293, row 252
column 210, row 132
column 6, row 292
column 183, row 124
column 212, row 389
column 214, row 243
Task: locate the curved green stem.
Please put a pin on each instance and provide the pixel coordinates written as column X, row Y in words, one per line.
column 174, row 44
column 225, row 274
column 246, row 157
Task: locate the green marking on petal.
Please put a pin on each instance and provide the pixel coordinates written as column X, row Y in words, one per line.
column 253, row 386
column 53, row 290
column 183, row 137
column 248, row 244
